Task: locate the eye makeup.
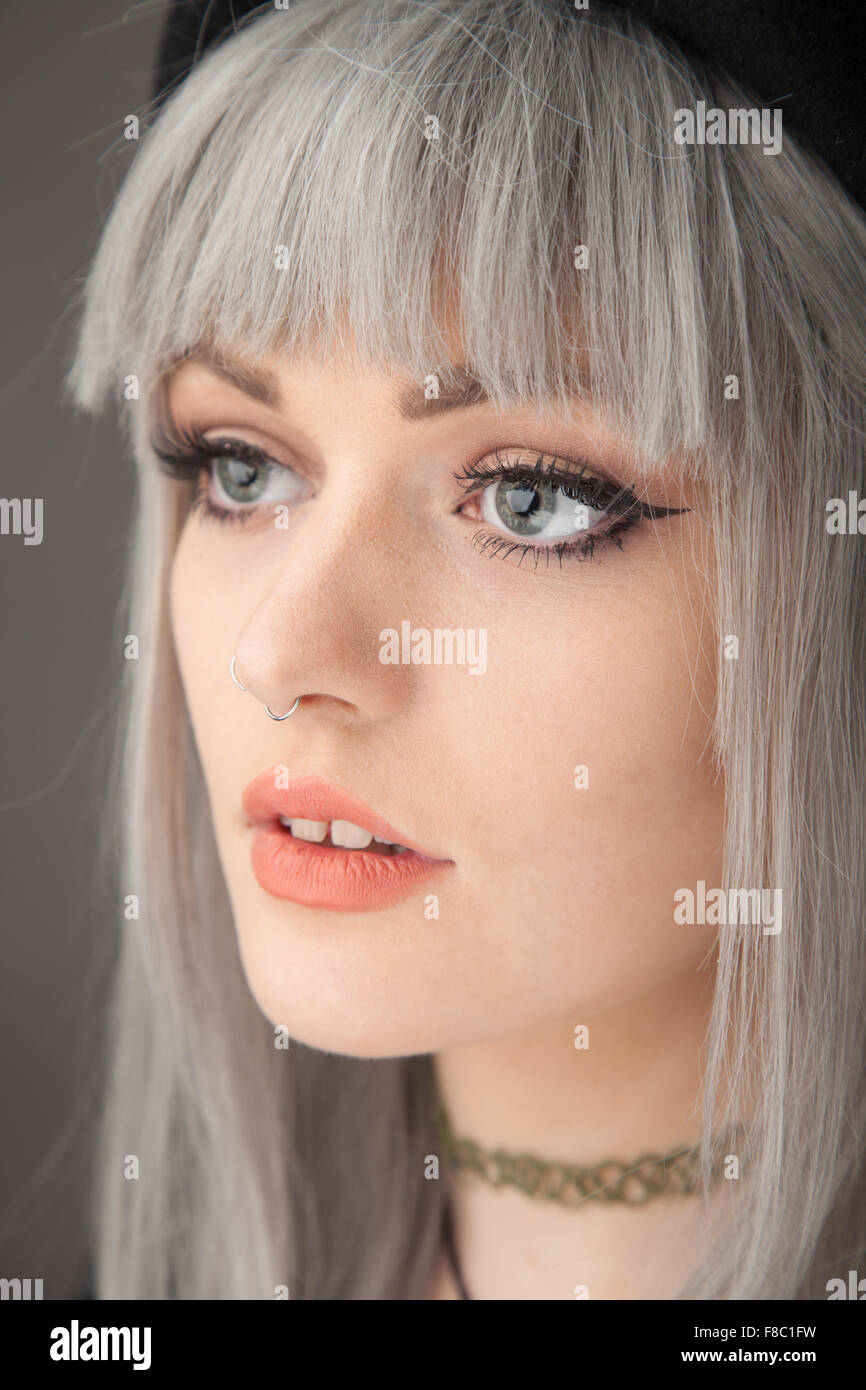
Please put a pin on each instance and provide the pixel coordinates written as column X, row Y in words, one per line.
column 542, row 482
column 527, row 498
column 243, row 473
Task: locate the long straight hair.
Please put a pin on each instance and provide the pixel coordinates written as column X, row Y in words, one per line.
column 392, row 149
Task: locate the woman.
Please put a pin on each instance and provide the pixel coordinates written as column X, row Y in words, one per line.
column 491, row 776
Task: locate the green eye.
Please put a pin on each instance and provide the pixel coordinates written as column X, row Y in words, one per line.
column 537, row 508
column 525, row 508
column 240, row 480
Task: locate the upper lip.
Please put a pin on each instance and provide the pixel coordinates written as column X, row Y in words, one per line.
column 312, row 798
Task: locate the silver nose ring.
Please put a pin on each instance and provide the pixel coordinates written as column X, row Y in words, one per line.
column 268, row 710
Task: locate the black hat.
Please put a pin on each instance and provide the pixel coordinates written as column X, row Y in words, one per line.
column 805, row 57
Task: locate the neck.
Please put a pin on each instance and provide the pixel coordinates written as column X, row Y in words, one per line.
column 634, row 1089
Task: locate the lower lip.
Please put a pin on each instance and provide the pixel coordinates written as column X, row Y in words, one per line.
column 341, row 880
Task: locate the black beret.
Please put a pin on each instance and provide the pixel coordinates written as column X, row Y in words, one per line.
column 805, row 57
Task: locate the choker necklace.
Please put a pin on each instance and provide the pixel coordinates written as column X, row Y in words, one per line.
column 570, row 1184
column 651, row 1175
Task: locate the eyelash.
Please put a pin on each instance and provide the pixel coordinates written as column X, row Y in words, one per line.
column 571, row 479
column 185, row 455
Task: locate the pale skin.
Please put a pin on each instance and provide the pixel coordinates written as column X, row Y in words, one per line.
column 556, row 910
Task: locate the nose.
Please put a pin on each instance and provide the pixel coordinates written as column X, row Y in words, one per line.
column 335, row 579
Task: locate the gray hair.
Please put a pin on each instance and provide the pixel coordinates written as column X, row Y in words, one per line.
column 312, row 130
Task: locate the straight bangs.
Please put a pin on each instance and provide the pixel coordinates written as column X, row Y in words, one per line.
column 307, row 189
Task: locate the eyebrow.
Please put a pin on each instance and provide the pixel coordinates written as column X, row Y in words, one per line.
column 466, row 390
column 409, row 400
column 256, row 382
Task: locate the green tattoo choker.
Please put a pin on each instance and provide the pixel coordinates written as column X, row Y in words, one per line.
column 647, row 1176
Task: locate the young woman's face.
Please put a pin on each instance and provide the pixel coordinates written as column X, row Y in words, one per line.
column 545, row 755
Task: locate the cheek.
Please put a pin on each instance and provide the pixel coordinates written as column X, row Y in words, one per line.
column 597, row 708
column 596, row 787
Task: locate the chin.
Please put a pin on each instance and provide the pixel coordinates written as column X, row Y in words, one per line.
column 357, row 1029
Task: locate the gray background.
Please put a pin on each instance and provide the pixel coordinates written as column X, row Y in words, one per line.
column 72, row 69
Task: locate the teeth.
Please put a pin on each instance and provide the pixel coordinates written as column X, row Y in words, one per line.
column 344, row 834
column 349, row 836
column 314, row 830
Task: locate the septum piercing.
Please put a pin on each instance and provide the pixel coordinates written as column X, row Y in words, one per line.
column 268, row 710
